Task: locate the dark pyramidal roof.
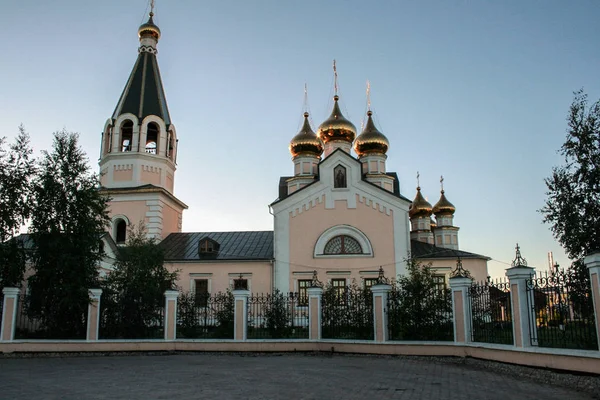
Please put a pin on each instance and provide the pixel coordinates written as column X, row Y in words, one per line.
column 144, row 94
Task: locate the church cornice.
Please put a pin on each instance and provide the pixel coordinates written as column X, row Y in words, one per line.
column 143, row 190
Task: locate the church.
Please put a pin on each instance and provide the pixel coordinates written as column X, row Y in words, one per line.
column 339, row 212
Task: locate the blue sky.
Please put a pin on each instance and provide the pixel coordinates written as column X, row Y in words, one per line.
column 475, row 90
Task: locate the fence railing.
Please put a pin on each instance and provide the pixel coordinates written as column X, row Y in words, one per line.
column 205, row 316
column 347, row 313
column 424, row 317
column 126, row 318
column 491, row 312
column 277, row 316
column 563, row 309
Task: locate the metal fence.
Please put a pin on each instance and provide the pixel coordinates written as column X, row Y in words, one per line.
column 277, row 316
column 423, row 316
column 563, row 309
column 124, row 318
column 205, row 316
column 347, row 313
column 69, row 326
column 491, row 312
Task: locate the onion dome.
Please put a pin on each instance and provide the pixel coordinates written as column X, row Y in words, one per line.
column 306, row 141
column 149, row 29
column 443, row 206
column 336, row 127
column 371, row 140
column 419, row 207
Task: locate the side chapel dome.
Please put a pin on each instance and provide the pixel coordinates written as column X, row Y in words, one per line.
column 419, row 207
column 371, row 140
column 306, row 141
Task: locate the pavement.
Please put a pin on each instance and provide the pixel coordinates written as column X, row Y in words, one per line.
column 266, row 376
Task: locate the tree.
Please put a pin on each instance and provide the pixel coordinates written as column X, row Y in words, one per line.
column 134, row 291
column 17, row 167
column 573, row 197
column 420, row 309
column 67, row 221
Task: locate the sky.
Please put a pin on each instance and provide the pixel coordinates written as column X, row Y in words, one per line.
column 476, row 91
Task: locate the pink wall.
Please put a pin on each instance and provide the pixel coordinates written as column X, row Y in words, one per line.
column 306, row 227
column 122, row 175
column 259, row 282
column 170, row 220
column 134, row 210
column 150, row 177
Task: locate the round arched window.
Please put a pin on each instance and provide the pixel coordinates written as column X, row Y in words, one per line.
column 121, row 231
column 343, row 244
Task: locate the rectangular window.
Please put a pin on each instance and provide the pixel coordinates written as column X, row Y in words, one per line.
column 440, row 283
column 303, row 285
column 339, row 288
column 201, row 292
column 370, row 282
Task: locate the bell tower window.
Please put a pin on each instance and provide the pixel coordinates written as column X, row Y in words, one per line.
column 126, row 135
column 152, row 138
column 339, row 177
column 120, row 231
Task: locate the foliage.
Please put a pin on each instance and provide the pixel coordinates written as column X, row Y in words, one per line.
column 347, row 314
column 68, row 217
column 277, row 315
column 418, row 308
column 225, row 314
column 573, row 197
column 136, row 287
column 17, row 168
column 205, row 317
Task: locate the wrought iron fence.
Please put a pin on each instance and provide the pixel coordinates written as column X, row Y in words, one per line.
column 347, row 313
column 491, row 312
column 205, row 316
column 426, row 315
column 30, row 325
column 563, row 309
column 127, row 318
column 277, row 316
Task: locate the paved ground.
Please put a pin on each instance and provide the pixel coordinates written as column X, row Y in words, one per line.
column 289, row 376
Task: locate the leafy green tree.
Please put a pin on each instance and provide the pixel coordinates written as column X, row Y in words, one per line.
column 277, row 316
column 68, row 217
column 17, row 167
column 420, row 309
column 134, row 292
column 573, row 197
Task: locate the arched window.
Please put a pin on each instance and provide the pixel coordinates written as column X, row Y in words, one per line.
column 339, row 177
column 152, row 138
column 126, row 135
column 343, row 244
column 107, row 141
column 170, row 147
column 120, row 231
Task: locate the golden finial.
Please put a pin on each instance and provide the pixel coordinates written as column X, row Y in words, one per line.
column 335, row 78
column 442, row 182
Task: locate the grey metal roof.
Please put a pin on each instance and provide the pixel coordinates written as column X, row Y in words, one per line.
column 250, row 245
column 425, row 250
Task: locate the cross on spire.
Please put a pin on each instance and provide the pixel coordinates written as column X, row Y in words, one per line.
column 442, row 182
column 335, row 78
column 305, row 98
column 368, row 95
column 418, row 184
column 152, row 7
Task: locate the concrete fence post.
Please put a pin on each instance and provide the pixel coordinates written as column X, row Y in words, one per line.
column 315, row 294
column 170, row 317
column 380, row 314
column 523, row 311
column 592, row 262
column 240, row 320
column 9, row 313
column 93, row 316
column 461, row 309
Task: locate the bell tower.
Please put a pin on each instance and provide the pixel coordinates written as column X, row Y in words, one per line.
column 139, row 150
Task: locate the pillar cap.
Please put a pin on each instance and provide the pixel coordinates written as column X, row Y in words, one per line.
column 240, row 293
column 519, row 272
column 314, row 290
column 11, row 291
column 381, row 288
column 95, row 293
column 171, row 294
column 592, row 260
column 460, row 282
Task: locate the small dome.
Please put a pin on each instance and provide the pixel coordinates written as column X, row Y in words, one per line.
column 149, row 29
column 306, row 141
column 419, row 207
column 371, row 140
column 443, row 206
column 336, row 127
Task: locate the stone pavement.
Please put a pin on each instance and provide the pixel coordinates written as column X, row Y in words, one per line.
column 263, row 376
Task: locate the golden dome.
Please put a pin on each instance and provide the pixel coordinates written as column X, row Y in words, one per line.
column 371, row 140
column 306, row 141
column 443, row 206
column 419, row 207
column 336, row 127
column 149, row 29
